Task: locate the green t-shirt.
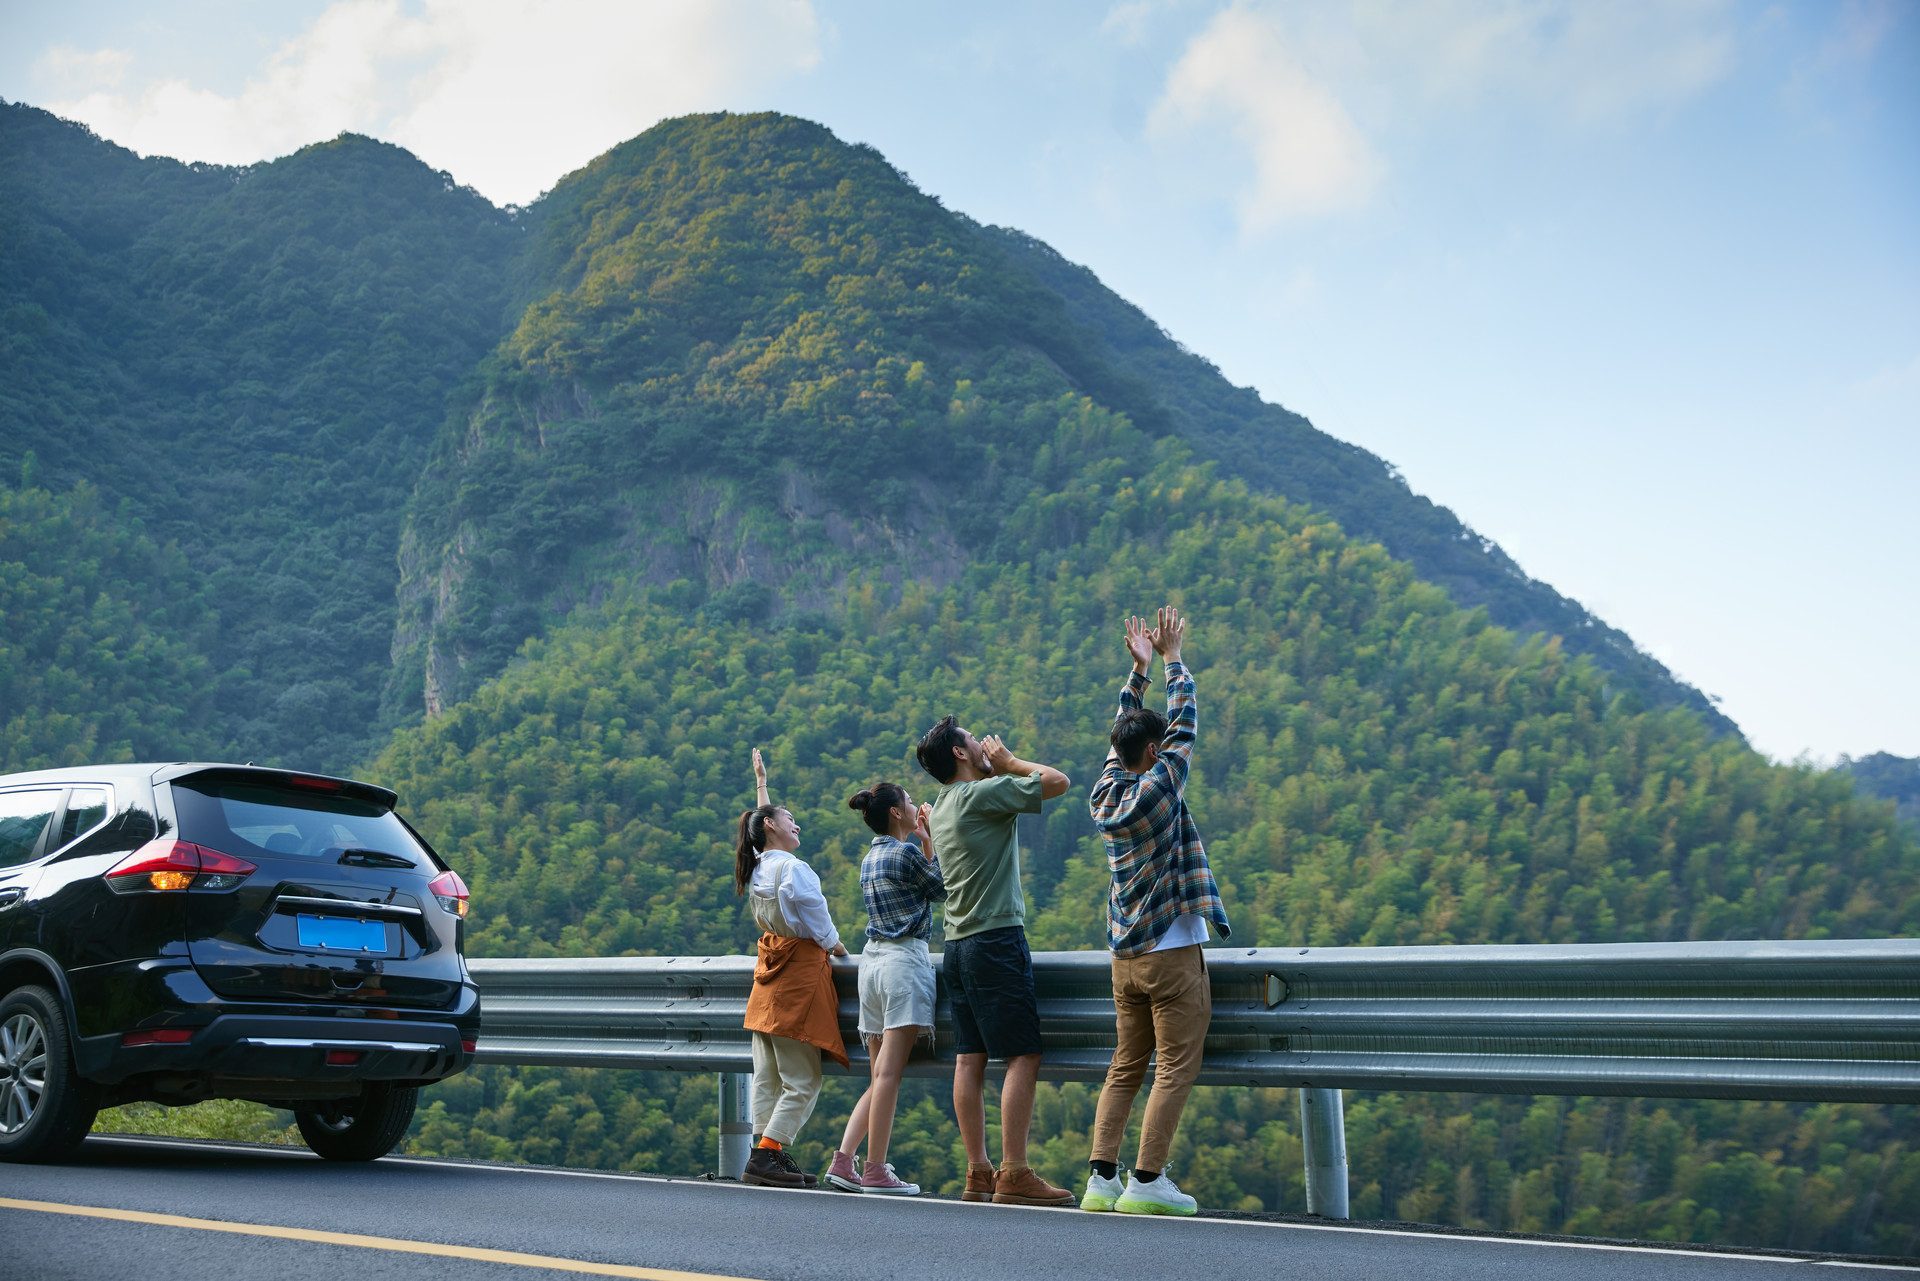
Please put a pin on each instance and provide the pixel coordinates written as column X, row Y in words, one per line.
column 979, row 848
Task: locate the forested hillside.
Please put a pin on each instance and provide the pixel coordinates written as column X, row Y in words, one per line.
column 103, row 656
column 253, row 361
column 545, row 517
column 1890, row 777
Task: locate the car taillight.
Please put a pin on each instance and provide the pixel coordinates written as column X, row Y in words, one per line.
column 450, row 891
column 168, row 864
column 158, row 1036
column 468, row 1047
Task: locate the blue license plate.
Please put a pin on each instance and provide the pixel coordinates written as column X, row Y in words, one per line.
column 338, row 934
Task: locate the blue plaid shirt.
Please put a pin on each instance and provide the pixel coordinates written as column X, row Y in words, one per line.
column 1153, row 848
column 900, row 885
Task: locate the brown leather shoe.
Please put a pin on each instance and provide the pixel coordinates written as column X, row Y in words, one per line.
column 980, row 1181
column 1019, row 1185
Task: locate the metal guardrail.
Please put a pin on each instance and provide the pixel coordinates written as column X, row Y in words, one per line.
column 1805, row 1020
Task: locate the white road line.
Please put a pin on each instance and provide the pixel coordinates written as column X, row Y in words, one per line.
column 946, row 1205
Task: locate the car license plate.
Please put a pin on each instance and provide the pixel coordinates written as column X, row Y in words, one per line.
column 339, row 934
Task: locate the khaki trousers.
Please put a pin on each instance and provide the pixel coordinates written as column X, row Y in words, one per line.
column 1162, row 1004
column 786, row 1085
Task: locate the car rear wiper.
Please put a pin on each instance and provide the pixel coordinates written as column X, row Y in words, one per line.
column 375, row 858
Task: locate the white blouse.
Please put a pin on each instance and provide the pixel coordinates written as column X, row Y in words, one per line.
column 801, row 900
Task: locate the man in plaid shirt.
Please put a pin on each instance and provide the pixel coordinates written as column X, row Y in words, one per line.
column 1159, row 906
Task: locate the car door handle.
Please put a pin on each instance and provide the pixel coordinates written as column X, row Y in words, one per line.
column 10, row 896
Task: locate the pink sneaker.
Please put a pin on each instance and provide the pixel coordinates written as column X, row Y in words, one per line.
column 885, row 1182
column 844, row 1173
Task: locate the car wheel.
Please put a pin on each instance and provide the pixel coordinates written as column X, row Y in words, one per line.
column 362, row 1129
column 46, row 1109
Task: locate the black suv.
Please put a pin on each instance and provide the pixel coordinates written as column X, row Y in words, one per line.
column 191, row 931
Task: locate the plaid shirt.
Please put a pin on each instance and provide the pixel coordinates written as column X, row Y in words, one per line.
column 1153, row 848
column 900, row 885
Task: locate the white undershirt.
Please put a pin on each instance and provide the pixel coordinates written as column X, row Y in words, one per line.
column 1187, row 930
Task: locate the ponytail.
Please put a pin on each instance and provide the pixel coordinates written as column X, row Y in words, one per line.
column 748, row 843
column 875, row 804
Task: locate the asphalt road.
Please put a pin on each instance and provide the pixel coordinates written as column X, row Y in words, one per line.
column 156, row 1210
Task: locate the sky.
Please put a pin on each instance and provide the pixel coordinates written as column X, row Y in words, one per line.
column 1632, row 288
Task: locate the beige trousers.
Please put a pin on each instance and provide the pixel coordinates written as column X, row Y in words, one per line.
column 1162, row 1004
column 786, row 1085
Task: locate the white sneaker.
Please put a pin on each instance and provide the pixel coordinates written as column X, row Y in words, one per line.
column 1157, row 1197
column 1101, row 1192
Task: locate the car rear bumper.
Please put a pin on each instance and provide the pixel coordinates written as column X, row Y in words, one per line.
column 294, row 1050
column 236, row 1042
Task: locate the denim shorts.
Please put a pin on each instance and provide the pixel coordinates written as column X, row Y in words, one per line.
column 989, row 979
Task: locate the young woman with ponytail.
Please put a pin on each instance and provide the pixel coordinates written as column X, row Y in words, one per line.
column 900, row 881
column 792, row 1011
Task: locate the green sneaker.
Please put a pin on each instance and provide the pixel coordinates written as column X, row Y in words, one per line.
column 1101, row 1193
column 1157, row 1197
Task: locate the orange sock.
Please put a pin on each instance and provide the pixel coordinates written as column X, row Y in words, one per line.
column 769, row 1143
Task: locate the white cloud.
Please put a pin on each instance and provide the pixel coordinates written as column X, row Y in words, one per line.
column 1817, row 88
column 85, row 68
column 1127, row 22
column 1858, row 32
column 1308, row 156
column 1589, row 62
column 1319, row 94
column 507, row 95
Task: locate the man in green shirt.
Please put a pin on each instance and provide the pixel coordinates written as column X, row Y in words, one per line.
column 985, row 962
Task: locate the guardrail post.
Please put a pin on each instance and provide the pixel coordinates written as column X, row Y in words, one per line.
column 1323, row 1132
column 736, row 1130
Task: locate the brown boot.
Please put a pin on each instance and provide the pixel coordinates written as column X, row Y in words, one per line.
column 1019, row 1185
column 980, row 1181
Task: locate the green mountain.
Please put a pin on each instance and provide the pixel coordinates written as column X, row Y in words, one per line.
column 750, row 287
column 254, row 362
column 1889, row 777
column 736, row 438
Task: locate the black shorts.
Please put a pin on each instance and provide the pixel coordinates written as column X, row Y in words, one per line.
column 989, row 979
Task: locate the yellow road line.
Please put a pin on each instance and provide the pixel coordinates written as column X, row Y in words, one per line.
column 396, row 1245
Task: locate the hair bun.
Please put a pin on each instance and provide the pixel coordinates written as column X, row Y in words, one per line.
column 860, row 800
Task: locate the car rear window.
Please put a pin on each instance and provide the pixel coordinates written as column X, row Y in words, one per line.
column 250, row 820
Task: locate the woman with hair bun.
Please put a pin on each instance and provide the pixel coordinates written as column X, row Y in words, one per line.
column 900, row 881
column 793, row 1011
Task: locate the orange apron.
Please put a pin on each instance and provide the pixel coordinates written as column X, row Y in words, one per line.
column 793, row 995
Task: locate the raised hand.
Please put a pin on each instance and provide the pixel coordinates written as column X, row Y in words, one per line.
column 997, row 754
column 1139, row 643
column 1169, row 633
column 759, row 767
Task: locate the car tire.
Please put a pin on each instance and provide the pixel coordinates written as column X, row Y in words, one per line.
column 362, row 1129
column 46, row 1108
